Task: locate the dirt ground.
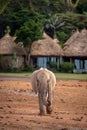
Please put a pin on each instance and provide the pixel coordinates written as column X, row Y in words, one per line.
column 19, row 107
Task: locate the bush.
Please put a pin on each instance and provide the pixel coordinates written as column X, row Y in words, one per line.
column 28, row 69
column 66, row 67
column 52, row 64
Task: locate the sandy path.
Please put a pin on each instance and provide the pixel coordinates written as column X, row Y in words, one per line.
column 19, row 107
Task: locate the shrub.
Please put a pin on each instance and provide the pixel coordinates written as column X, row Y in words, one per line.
column 66, row 67
column 28, row 69
column 52, row 64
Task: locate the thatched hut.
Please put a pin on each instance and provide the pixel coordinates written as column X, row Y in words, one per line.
column 45, row 51
column 11, row 55
column 75, row 50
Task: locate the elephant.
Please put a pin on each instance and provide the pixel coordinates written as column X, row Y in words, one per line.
column 43, row 82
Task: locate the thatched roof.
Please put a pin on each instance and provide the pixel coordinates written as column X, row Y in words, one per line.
column 46, row 47
column 76, row 45
column 8, row 46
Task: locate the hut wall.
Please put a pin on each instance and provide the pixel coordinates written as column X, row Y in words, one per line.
column 19, row 62
column 7, row 62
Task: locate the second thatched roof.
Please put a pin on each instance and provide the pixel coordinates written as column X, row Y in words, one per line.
column 46, row 47
column 76, row 45
column 8, row 46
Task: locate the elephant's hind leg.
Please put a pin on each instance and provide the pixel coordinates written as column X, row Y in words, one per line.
column 49, row 107
column 49, row 100
column 41, row 106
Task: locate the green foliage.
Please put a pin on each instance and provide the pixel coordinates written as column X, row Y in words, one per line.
column 14, row 57
column 61, row 6
column 62, row 36
column 82, row 7
column 45, row 2
column 52, row 24
column 53, row 64
column 3, row 4
column 29, row 69
column 73, row 21
column 19, row 18
column 73, row 3
column 66, row 67
column 29, row 32
column 59, row 14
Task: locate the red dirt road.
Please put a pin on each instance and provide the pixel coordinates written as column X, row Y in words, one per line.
column 19, row 107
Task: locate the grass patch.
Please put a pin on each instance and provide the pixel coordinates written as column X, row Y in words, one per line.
column 71, row 76
column 67, row 76
column 16, row 74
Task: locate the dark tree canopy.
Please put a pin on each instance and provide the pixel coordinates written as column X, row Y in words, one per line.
column 64, row 18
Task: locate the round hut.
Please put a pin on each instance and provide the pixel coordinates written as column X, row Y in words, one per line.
column 11, row 55
column 75, row 50
column 45, row 51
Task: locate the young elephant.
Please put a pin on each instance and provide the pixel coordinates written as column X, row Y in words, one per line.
column 43, row 82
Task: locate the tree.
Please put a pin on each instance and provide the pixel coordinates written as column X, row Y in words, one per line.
column 62, row 21
column 3, row 4
column 62, row 37
column 82, row 7
column 29, row 32
column 53, row 24
column 73, row 3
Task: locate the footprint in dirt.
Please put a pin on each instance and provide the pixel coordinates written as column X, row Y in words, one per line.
column 17, row 120
column 64, row 129
column 9, row 106
column 1, row 117
column 77, row 119
column 5, row 124
column 59, row 117
column 1, row 107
